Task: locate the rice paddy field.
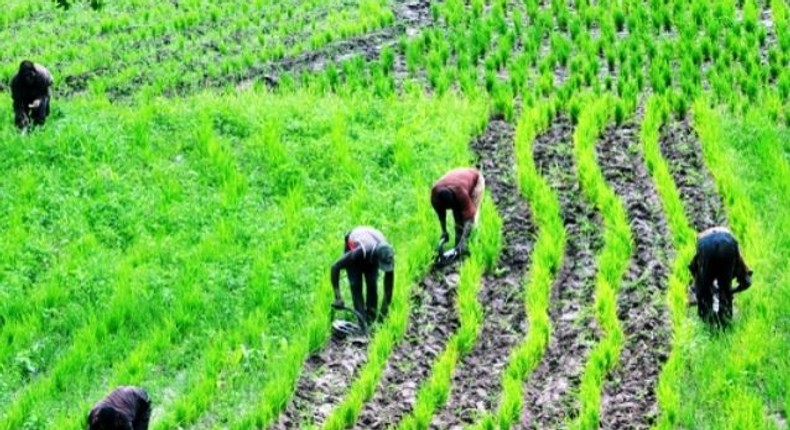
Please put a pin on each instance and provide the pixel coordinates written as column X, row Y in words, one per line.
column 173, row 224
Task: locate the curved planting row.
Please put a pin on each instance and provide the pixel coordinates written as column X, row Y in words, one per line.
column 431, row 323
column 681, row 148
column 477, row 380
column 550, row 393
column 629, row 396
column 612, row 260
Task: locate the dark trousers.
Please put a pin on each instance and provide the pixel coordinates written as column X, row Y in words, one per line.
column 366, row 304
column 23, row 115
column 716, row 260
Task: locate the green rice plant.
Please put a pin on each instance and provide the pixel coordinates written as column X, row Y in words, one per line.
column 719, row 372
column 612, row 260
column 546, row 260
column 503, row 103
column 384, row 341
column 485, row 248
column 684, row 242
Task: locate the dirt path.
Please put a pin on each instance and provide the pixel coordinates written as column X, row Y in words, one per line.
column 328, row 373
column 431, row 323
column 550, row 398
column 629, row 397
column 681, row 148
column 477, row 381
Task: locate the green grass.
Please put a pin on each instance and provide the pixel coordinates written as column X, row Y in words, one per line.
column 156, row 249
column 739, row 379
column 183, row 243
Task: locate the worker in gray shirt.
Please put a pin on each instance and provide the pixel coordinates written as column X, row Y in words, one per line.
column 365, row 251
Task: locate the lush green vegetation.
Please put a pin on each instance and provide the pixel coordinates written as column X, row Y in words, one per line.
column 188, row 250
column 155, row 233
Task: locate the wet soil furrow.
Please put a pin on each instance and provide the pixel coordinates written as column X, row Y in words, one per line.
column 629, row 396
column 322, row 383
column 550, row 398
column 328, row 373
column 477, row 381
column 680, row 146
column 410, row 17
column 432, row 321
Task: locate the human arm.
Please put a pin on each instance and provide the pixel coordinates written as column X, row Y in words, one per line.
column 744, row 276
column 339, row 265
column 389, row 280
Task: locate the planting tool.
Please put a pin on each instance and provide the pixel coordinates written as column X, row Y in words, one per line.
column 342, row 328
column 447, row 257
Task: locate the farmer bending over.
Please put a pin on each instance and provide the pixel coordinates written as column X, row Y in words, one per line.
column 30, row 91
column 714, row 266
column 126, row 408
column 461, row 191
column 365, row 252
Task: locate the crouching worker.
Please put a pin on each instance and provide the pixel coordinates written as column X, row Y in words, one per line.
column 717, row 261
column 126, row 408
column 365, row 252
column 30, row 90
column 461, row 191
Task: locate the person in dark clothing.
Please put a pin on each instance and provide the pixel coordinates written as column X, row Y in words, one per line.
column 365, row 252
column 717, row 261
column 30, row 91
column 126, row 408
column 461, row 191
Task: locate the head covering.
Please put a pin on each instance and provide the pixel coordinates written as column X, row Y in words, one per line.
column 386, row 257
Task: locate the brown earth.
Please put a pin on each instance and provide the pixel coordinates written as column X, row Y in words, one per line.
column 328, row 374
column 629, row 393
column 431, row 323
column 551, row 392
column 681, row 148
column 477, row 380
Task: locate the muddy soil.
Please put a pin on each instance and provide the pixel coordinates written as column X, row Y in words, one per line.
column 410, row 17
column 681, row 148
column 324, row 380
column 550, row 394
column 477, row 381
column 328, row 374
column 629, row 396
column 432, row 321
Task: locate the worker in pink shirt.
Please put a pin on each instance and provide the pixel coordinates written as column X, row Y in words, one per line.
column 461, row 191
